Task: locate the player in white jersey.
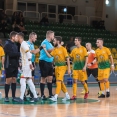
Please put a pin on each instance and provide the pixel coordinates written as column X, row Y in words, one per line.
column 27, row 68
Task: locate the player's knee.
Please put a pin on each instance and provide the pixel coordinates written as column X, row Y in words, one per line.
column 43, row 80
column 13, row 80
column 83, row 82
column 58, row 81
column 23, row 82
column 74, row 81
column 8, row 80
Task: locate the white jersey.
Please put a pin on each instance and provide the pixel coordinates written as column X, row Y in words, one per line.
column 24, row 48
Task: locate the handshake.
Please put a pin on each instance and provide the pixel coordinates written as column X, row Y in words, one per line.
column 42, row 47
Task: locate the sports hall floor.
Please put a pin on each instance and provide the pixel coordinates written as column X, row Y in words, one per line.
column 92, row 107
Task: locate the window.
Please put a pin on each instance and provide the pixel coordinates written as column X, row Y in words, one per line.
column 31, row 6
column 21, row 6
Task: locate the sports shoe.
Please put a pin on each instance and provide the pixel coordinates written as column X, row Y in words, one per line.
column 36, row 99
column 53, row 99
column 14, row 99
column 83, row 91
column 73, row 98
column 6, row 99
column 67, row 97
column 107, row 94
column 43, row 97
column 99, row 93
column 50, row 96
column 19, row 100
column 101, row 96
column 86, row 96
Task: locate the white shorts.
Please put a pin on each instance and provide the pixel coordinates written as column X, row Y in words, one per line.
column 26, row 71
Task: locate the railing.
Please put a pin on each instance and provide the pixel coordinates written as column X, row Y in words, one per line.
column 94, row 18
column 65, row 17
column 11, row 11
column 32, row 14
column 82, row 19
column 51, row 16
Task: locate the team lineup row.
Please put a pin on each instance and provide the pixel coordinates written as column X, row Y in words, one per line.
column 84, row 63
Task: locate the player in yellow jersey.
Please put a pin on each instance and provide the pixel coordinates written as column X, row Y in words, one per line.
column 104, row 58
column 60, row 56
column 80, row 59
column 2, row 54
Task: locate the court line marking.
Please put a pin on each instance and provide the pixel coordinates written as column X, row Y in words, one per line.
column 12, row 115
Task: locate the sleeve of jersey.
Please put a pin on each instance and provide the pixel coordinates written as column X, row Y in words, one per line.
column 108, row 51
column 52, row 53
column 2, row 52
column 25, row 47
column 65, row 53
column 94, row 54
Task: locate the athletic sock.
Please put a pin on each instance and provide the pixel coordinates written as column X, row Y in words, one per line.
column 23, row 87
column 86, row 81
column 7, row 87
column 74, row 89
column 107, row 85
column 98, row 83
column 42, row 87
column 102, row 87
column 13, row 88
column 85, row 87
column 32, row 87
column 63, row 87
column 49, row 85
column 58, row 87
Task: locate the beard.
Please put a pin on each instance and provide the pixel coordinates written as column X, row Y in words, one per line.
column 55, row 45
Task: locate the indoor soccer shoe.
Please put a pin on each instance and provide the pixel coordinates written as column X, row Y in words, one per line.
column 67, row 97
column 86, row 96
column 73, row 98
column 43, row 97
column 53, row 99
column 6, row 99
column 101, row 96
column 107, row 94
column 20, row 100
column 99, row 93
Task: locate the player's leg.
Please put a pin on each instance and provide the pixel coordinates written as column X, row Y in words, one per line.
column 74, row 86
column 102, row 87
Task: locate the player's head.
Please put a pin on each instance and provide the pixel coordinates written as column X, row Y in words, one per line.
column 77, row 41
column 57, row 40
column 20, row 37
column 50, row 35
column 88, row 46
column 33, row 37
column 99, row 42
column 12, row 36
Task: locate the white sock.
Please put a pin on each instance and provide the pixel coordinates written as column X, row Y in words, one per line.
column 107, row 90
column 56, row 95
column 102, row 92
column 66, row 93
column 32, row 87
column 23, row 87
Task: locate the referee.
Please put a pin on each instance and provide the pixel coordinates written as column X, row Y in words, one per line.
column 46, row 66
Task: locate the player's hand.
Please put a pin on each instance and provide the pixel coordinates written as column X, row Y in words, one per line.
column 112, row 68
column 69, row 71
column 44, row 46
column 89, row 65
column 84, row 69
column 31, row 67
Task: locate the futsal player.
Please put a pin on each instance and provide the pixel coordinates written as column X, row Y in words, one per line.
column 80, row 60
column 27, row 68
column 104, row 58
column 60, row 57
column 92, row 66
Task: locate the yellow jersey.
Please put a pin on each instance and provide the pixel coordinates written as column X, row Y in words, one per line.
column 60, row 54
column 102, row 56
column 79, row 56
column 1, row 55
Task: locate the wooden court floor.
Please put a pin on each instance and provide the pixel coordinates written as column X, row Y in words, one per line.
column 104, row 108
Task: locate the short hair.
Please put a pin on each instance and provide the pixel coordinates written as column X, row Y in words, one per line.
column 20, row 34
column 31, row 34
column 79, row 39
column 58, row 38
column 89, row 43
column 49, row 32
column 100, row 39
column 12, row 34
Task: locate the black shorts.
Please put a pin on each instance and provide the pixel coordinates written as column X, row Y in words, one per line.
column 46, row 68
column 94, row 72
column 11, row 73
column 33, row 71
